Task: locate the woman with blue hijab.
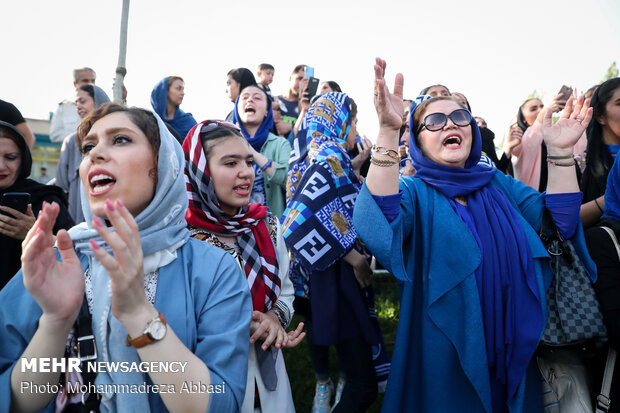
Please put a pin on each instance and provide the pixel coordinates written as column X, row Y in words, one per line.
column 166, row 97
column 254, row 115
column 462, row 238
column 148, row 294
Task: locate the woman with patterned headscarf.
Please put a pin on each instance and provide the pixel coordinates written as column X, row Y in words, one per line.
column 219, row 177
column 329, row 266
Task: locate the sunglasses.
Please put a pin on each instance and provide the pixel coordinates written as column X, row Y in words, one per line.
column 436, row 121
column 211, row 125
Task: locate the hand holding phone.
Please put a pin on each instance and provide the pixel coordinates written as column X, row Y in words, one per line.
column 313, row 85
column 559, row 101
column 564, row 93
column 16, row 200
column 18, row 220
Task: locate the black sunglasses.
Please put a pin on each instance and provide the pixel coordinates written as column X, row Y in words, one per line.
column 436, row 121
column 211, row 125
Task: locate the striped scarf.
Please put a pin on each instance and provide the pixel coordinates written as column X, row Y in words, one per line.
column 249, row 225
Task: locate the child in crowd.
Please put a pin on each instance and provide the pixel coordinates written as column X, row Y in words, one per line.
column 265, row 77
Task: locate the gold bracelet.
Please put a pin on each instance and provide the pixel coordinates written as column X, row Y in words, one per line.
column 560, row 163
column 380, row 162
column 385, row 151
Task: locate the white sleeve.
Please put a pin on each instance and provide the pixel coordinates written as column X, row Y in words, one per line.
column 64, row 121
column 287, row 293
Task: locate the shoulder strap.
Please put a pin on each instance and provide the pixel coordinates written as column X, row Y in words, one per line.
column 613, row 239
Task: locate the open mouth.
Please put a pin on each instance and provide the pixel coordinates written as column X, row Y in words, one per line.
column 243, row 189
column 101, row 182
column 249, row 109
column 452, row 141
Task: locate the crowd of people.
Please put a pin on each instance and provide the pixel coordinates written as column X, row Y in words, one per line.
column 162, row 238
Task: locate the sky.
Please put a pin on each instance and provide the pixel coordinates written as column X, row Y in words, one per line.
column 495, row 52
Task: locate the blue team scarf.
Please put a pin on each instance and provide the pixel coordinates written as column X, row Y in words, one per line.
column 181, row 122
column 321, row 186
column 612, row 193
column 262, row 133
column 506, row 278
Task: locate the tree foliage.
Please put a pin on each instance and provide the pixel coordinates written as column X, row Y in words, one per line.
column 612, row 71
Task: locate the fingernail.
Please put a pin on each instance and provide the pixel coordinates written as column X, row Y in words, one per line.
column 119, row 203
column 97, row 222
column 94, row 245
column 109, row 205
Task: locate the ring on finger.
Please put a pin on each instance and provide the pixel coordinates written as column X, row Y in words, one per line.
column 579, row 120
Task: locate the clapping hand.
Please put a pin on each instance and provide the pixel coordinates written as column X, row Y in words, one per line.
column 125, row 267
column 561, row 137
column 267, row 327
column 57, row 287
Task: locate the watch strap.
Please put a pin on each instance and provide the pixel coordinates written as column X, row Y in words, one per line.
column 145, row 339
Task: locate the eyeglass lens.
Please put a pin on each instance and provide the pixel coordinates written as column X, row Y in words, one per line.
column 436, row 121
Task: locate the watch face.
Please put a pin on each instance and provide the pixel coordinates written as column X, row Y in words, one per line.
column 157, row 330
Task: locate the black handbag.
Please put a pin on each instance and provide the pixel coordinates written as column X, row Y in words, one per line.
column 575, row 318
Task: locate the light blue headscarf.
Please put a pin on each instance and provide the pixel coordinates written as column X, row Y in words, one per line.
column 161, row 226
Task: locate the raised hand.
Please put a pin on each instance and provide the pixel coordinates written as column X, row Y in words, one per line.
column 17, row 225
column 389, row 106
column 125, row 268
column 561, row 137
column 514, row 140
column 57, row 287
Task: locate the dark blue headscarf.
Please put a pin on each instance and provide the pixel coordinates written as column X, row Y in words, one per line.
column 262, row 133
column 506, row 278
column 181, row 122
column 612, row 193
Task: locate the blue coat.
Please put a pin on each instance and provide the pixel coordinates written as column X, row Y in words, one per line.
column 205, row 299
column 439, row 362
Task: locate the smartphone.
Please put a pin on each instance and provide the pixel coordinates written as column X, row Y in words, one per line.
column 16, row 200
column 565, row 92
column 309, row 72
column 313, row 85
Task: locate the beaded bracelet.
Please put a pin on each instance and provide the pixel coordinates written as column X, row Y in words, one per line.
column 552, row 162
column 381, row 162
column 571, row 156
column 385, row 151
column 267, row 165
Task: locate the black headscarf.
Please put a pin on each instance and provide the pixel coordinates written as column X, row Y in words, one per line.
column 10, row 247
column 598, row 159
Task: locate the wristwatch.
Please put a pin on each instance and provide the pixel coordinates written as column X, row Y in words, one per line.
column 154, row 331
